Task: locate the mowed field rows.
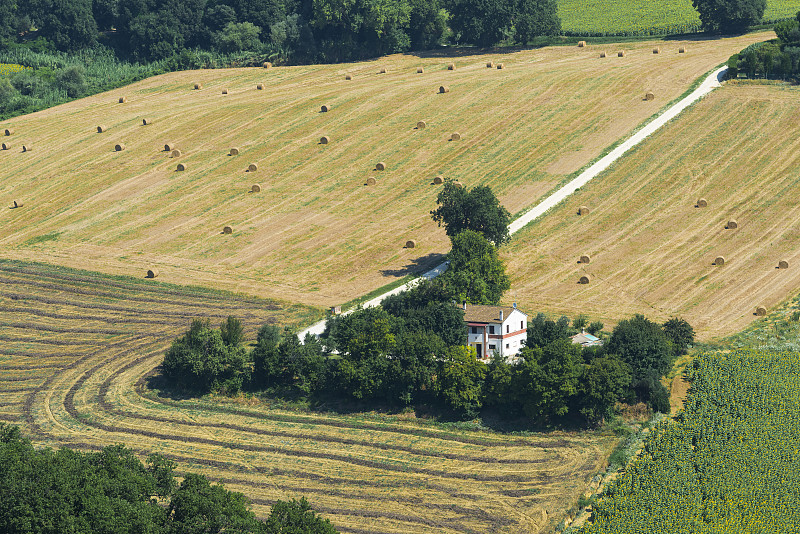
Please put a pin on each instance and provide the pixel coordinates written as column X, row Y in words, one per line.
column 77, row 354
column 652, row 250
column 315, row 233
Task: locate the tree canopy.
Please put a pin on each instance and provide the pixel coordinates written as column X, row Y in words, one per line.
column 477, row 209
column 476, row 273
column 729, row 16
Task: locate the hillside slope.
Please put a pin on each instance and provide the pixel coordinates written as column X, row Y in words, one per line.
column 315, row 233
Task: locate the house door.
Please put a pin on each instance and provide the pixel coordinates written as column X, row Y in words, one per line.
column 479, row 350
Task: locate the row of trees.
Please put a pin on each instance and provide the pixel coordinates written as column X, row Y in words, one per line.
column 776, row 59
column 326, row 30
column 43, row 491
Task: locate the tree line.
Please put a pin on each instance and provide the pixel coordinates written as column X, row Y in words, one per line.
column 775, row 59
column 46, row 491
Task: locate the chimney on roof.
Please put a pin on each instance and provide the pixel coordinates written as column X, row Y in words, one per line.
column 501, row 315
column 465, row 305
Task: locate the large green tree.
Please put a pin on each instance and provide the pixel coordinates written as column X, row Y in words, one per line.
column 69, row 24
column 476, row 274
column 536, row 18
column 729, row 16
column 477, row 209
column 481, row 22
column 459, row 381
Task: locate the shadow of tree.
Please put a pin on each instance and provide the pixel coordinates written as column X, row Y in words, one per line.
column 416, row 266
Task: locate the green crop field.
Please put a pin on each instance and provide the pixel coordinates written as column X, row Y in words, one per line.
column 640, row 17
column 729, row 464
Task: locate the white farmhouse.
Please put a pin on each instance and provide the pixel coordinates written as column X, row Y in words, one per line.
column 495, row 329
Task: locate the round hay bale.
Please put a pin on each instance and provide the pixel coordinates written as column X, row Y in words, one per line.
column 27, row 148
column 252, row 167
column 657, row 50
column 224, row 91
column 260, row 86
column 6, row 146
column 451, row 66
column 581, row 44
column 411, row 243
column 761, row 311
column 198, row 86
column 267, row 65
column 443, row 89
column 234, row 151
column 256, row 188
column 583, row 210
column 227, row 230
column 649, row 96
column 458, row 184
column 324, row 108
column 500, row 66
column 383, row 70
column 603, row 54
column 176, row 153
column 584, row 279
column 702, row 203
column 18, row 204
column 145, row 122
column 102, row 128
column 169, row 147
column 438, row 180
column 732, row 225
column 152, row 273
column 719, row 261
column 490, row 64
column 380, row 166
column 585, row 259
column 621, row 53
column 348, row 76
column 324, row 140
column 181, row 167
column 783, row 264
column 420, row 70
column 122, row 100
column 421, row 125
column 8, row 131
column 371, row 181
column 682, row 50
column 119, row 147
column 455, row 136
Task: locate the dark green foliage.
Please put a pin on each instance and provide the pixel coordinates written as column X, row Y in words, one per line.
column 428, row 307
column 412, row 366
column 642, row 344
column 543, row 331
column 232, row 332
column 459, row 381
column 235, row 37
column 69, row 24
column 604, row 382
column 72, row 80
column 202, row 361
column 427, row 24
column 729, row 16
column 8, row 19
column 475, row 274
column 477, row 210
column 535, row 18
column 595, row 327
column 680, row 333
column 481, row 22
column 7, row 92
column 549, row 380
column 296, row 517
column 112, row 492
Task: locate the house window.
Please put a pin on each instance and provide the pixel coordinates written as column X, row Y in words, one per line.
column 521, row 325
column 507, row 327
column 491, row 329
column 474, row 329
column 492, row 347
column 507, row 346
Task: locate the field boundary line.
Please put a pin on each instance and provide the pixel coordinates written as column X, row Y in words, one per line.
column 711, row 82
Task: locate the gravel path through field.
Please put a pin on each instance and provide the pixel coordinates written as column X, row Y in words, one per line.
column 711, row 82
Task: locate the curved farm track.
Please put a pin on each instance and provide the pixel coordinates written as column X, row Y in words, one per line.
column 77, row 350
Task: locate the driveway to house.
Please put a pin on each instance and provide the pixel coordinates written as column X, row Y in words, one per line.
column 709, row 84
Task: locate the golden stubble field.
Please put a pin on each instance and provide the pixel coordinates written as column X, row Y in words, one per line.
column 315, row 233
column 76, row 354
column 652, row 250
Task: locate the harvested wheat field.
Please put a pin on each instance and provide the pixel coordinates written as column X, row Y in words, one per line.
column 77, row 355
column 652, row 250
column 315, row 234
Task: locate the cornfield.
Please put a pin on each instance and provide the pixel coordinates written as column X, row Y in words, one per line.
column 730, row 463
column 638, row 17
